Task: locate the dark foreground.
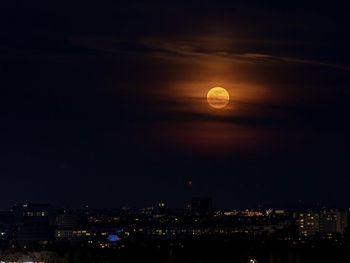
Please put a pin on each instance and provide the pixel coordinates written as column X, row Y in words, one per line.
column 244, row 250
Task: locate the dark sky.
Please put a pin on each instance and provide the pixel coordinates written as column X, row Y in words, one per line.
column 104, row 103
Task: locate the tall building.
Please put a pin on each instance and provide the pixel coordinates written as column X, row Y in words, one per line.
column 33, row 213
column 308, row 223
column 318, row 222
column 333, row 221
column 33, row 223
column 200, row 206
column 161, row 208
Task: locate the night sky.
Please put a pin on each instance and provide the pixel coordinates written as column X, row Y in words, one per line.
column 104, row 103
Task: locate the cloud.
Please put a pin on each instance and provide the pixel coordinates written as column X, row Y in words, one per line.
column 267, row 57
column 218, row 47
column 189, row 48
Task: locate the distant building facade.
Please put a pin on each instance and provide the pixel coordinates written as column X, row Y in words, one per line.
column 66, row 220
column 200, row 206
column 319, row 222
column 33, row 223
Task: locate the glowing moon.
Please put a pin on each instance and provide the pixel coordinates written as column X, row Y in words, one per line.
column 218, row 97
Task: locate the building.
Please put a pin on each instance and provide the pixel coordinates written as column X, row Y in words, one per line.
column 320, row 222
column 34, row 233
column 161, row 208
column 33, row 223
column 33, row 213
column 66, row 220
column 200, row 206
column 333, row 221
column 72, row 235
column 309, row 223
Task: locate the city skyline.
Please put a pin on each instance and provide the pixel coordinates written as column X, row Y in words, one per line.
column 42, row 233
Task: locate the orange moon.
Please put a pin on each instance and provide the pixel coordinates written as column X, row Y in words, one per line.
column 218, row 97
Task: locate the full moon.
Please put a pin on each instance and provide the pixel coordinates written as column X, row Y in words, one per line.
column 218, row 97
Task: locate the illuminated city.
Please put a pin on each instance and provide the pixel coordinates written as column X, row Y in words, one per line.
column 171, row 232
column 185, row 131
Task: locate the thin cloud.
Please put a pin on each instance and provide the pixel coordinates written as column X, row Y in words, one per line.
column 267, row 57
column 186, row 49
column 215, row 47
